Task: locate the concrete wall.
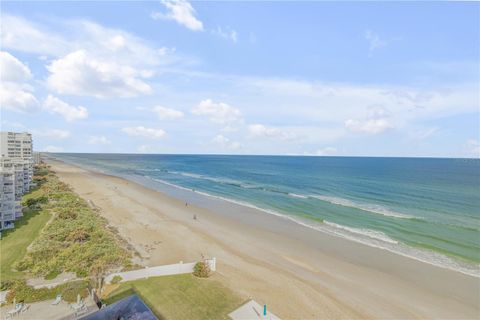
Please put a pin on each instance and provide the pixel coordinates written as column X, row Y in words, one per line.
column 177, row 268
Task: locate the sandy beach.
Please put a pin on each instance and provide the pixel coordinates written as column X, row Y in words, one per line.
column 298, row 272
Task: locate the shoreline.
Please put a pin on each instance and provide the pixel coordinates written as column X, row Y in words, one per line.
column 469, row 268
column 301, row 273
column 366, row 237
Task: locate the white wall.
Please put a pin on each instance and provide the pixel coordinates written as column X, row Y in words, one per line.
column 170, row 269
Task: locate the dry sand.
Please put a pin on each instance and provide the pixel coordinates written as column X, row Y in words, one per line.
column 299, row 273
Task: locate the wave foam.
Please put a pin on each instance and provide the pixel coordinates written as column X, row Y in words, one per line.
column 367, row 237
column 363, row 232
column 374, row 208
column 301, row 196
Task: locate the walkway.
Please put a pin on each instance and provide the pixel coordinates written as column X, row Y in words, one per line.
column 252, row 311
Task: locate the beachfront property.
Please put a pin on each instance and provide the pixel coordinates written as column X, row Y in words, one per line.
column 36, row 157
column 16, row 173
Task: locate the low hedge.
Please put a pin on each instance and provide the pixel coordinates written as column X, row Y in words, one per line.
column 19, row 290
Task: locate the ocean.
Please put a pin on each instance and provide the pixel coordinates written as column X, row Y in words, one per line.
column 424, row 208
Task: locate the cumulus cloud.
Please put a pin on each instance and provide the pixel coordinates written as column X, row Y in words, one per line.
column 15, row 93
column 141, row 131
column 164, row 113
column 376, row 122
column 180, row 11
column 371, row 126
column 226, row 142
column 13, row 97
column 52, row 149
column 101, row 140
column 12, row 69
column 105, row 43
column 79, row 73
column 226, row 33
column 92, row 61
column 218, row 112
column 19, row 34
column 259, row 130
column 71, row 113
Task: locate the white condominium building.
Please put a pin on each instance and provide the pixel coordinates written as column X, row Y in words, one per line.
column 16, row 145
column 16, row 172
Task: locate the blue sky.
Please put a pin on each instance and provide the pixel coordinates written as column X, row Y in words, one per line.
column 303, row 78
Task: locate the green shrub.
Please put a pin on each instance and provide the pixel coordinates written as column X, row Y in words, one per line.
column 201, row 269
column 116, row 279
column 5, row 284
column 20, row 291
column 76, row 240
column 33, row 202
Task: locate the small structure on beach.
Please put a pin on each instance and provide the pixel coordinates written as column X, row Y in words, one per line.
column 252, row 310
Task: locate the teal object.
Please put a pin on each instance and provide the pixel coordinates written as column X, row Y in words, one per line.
column 264, row 309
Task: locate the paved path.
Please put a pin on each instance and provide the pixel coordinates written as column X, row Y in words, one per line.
column 252, row 311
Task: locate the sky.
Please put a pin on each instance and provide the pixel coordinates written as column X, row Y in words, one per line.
column 281, row 78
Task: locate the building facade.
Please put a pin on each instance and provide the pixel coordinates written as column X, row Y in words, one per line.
column 16, row 173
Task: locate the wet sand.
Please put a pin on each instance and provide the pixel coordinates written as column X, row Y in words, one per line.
column 298, row 272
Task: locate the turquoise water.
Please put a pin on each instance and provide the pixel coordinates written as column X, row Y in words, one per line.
column 428, row 209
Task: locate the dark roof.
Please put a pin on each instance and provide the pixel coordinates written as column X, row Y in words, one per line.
column 129, row 308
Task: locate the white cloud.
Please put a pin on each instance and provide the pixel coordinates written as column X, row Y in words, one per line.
column 12, row 96
column 180, row 11
column 141, row 131
column 374, row 41
column 259, row 130
column 102, row 140
column 473, row 148
column 164, row 113
column 93, row 60
column 220, row 112
column 54, row 133
column 14, row 91
column 70, row 113
column 227, row 33
column 79, row 73
column 12, row 69
column 371, row 126
column 19, row 34
column 52, row 149
column 104, row 43
column 226, row 142
column 327, row 151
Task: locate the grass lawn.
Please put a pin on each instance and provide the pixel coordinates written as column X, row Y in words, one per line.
column 14, row 242
column 181, row 297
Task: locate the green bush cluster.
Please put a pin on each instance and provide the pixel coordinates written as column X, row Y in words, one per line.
column 76, row 240
column 19, row 290
column 34, row 202
column 116, row 279
column 201, row 269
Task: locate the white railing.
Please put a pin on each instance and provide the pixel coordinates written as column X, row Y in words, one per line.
column 170, row 269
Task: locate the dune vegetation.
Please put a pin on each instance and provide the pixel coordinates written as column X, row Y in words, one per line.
column 76, row 239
